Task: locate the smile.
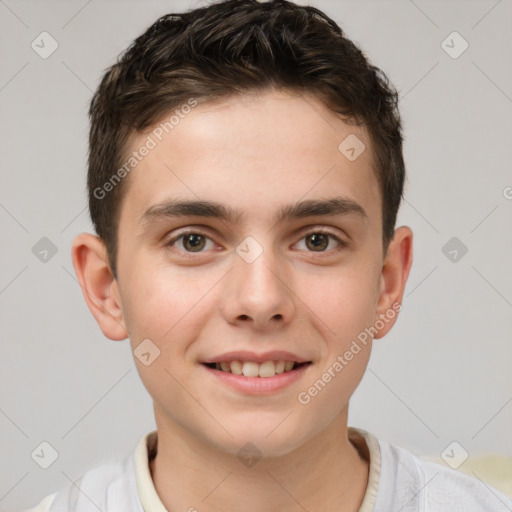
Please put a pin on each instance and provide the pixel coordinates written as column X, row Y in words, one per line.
column 253, row 378
column 254, row 369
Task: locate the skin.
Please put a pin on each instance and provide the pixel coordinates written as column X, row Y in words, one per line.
column 254, row 153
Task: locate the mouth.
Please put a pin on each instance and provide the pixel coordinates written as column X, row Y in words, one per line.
column 253, row 369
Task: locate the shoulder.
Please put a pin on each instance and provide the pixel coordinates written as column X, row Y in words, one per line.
column 44, row 505
column 111, row 486
column 415, row 484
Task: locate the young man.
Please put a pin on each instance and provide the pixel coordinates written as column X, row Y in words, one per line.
column 245, row 173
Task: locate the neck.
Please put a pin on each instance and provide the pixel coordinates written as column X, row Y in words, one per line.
column 325, row 474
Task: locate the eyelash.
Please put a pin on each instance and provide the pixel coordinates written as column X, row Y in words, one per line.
column 341, row 243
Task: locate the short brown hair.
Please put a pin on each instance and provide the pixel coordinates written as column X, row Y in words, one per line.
column 235, row 47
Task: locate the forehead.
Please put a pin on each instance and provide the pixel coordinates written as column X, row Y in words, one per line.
column 254, row 152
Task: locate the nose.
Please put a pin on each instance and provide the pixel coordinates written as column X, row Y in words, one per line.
column 258, row 293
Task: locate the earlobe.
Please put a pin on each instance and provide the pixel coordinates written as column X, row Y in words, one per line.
column 91, row 265
column 395, row 272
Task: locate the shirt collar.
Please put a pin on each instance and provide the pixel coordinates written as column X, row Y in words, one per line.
column 365, row 443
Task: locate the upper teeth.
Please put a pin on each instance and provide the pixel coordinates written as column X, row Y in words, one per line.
column 252, row 369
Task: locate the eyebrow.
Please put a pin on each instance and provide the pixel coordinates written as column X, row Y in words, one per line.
column 212, row 209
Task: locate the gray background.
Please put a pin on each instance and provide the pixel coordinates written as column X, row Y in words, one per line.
column 442, row 374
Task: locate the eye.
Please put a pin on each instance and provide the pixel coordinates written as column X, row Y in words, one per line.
column 197, row 242
column 318, row 241
column 191, row 241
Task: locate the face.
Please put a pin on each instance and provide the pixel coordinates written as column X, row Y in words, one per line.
column 251, row 286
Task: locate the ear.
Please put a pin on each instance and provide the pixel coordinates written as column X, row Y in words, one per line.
column 395, row 272
column 99, row 287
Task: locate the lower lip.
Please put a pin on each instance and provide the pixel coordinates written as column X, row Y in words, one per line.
column 259, row 385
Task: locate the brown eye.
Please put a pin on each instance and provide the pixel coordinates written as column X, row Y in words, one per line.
column 318, row 241
column 189, row 242
column 193, row 242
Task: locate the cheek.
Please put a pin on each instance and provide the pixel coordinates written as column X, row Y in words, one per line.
column 344, row 302
column 330, row 389
column 163, row 302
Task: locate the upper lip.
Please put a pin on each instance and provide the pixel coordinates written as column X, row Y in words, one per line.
column 243, row 355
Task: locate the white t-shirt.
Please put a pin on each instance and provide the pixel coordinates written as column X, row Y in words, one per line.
column 398, row 481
